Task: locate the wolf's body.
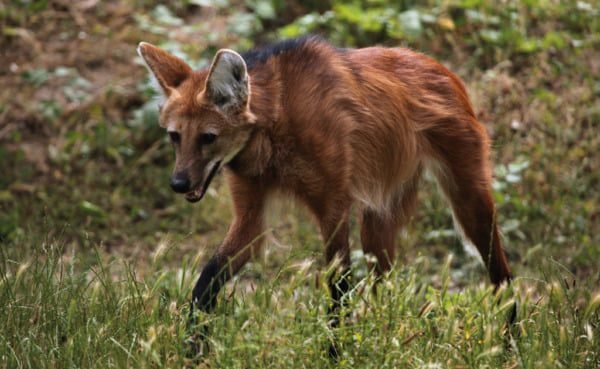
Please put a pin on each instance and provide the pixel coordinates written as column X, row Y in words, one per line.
column 335, row 128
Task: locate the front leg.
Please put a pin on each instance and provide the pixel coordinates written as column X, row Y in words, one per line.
column 212, row 278
column 243, row 241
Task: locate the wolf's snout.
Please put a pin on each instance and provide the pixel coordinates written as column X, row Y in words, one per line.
column 180, row 183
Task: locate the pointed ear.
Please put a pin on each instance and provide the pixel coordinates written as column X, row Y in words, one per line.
column 227, row 84
column 168, row 69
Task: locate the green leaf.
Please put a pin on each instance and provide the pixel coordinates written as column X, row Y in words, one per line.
column 527, row 45
column 349, row 12
column 211, row 3
column 36, row 77
column 490, row 35
column 554, row 39
column 164, row 15
column 410, row 21
column 92, row 209
column 244, row 24
column 264, row 9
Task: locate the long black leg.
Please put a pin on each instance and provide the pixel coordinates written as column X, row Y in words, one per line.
column 339, row 285
column 204, row 297
column 212, row 278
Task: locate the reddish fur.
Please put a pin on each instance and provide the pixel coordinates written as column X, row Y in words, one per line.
column 336, row 128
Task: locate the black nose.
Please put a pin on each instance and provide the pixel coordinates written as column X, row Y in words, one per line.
column 180, row 183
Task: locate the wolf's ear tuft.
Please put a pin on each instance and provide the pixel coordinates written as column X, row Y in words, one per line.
column 169, row 70
column 227, row 85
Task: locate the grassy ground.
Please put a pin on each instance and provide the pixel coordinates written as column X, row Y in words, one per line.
column 98, row 257
column 61, row 315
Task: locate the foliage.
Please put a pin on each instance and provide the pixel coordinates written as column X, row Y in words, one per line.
column 493, row 31
column 59, row 311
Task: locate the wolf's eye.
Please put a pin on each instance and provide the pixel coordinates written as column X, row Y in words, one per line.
column 175, row 137
column 207, row 138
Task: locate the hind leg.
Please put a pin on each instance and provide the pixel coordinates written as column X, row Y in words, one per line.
column 378, row 229
column 469, row 191
column 333, row 222
column 476, row 214
column 465, row 177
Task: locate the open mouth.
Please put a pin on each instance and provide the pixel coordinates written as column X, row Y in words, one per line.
column 197, row 193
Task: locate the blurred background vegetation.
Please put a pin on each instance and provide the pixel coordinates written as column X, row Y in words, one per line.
column 85, row 201
column 83, row 159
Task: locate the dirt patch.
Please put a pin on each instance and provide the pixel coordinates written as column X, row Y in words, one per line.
column 72, row 64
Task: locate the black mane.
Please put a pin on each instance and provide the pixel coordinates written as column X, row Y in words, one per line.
column 261, row 54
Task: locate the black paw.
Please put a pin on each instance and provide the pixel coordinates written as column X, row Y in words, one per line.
column 196, row 346
column 511, row 329
column 512, row 313
column 197, row 339
column 333, row 351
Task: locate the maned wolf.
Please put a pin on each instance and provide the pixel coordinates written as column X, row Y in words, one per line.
column 335, row 128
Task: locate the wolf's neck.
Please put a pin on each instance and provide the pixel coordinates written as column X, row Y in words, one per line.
column 265, row 95
column 255, row 159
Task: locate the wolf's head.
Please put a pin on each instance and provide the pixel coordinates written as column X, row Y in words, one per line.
column 206, row 114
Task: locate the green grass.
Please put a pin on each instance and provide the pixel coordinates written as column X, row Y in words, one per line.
column 58, row 312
